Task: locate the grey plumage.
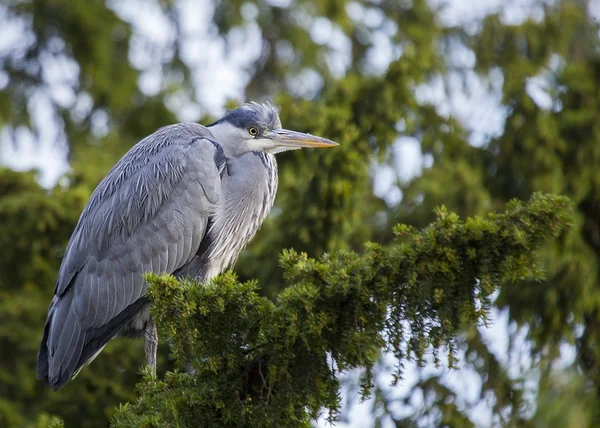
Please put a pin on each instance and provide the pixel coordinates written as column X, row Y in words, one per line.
column 184, row 200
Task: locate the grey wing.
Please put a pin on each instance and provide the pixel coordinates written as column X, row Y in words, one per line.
column 149, row 214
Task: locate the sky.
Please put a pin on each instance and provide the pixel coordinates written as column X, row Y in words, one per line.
column 223, row 78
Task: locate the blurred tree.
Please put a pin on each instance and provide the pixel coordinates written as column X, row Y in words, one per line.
column 35, row 227
column 322, row 63
column 549, row 69
column 53, row 37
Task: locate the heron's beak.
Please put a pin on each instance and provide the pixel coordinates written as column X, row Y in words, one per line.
column 298, row 140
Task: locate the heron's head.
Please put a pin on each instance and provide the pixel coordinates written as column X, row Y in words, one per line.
column 256, row 127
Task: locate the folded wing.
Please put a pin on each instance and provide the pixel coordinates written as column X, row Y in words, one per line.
column 149, row 214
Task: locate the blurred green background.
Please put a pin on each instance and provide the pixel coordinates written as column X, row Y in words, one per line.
column 462, row 102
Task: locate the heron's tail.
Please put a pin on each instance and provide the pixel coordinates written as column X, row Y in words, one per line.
column 66, row 347
column 62, row 343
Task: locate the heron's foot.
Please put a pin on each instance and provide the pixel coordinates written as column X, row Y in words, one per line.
column 151, row 345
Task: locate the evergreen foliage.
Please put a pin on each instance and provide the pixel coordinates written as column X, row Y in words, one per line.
column 255, row 362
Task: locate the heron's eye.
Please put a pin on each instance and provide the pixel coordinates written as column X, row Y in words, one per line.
column 253, row 131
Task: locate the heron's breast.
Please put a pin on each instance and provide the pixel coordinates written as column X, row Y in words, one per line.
column 247, row 197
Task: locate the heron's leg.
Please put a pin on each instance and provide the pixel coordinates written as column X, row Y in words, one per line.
column 151, row 345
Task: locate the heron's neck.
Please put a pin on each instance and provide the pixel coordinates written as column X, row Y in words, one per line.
column 249, row 189
column 247, row 196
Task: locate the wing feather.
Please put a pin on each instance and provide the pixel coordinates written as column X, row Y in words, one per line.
column 170, row 254
column 61, row 346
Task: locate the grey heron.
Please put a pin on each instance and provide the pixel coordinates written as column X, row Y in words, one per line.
column 184, row 200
